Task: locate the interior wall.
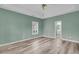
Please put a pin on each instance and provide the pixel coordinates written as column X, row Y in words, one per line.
column 15, row 26
column 70, row 26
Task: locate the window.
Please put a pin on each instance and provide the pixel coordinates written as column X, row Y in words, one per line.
column 34, row 28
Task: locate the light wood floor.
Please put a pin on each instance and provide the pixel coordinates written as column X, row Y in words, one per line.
column 41, row 45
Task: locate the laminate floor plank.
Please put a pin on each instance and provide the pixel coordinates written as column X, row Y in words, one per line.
column 41, row 45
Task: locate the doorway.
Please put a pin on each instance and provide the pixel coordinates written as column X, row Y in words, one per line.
column 58, row 29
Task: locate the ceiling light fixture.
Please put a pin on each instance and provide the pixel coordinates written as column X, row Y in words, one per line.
column 44, row 7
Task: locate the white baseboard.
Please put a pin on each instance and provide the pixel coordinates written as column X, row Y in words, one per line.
column 38, row 37
column 48, row 36
column 19, row 41
column 74, row 41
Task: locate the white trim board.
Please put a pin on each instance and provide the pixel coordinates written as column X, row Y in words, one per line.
column 38, row 37
column 18, row 41
column 74, row 41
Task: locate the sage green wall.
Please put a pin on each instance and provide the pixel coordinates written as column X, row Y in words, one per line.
column 70, row 25
column 15, row 26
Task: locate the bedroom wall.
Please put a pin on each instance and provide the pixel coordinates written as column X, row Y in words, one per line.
column 70, row 26
column 15, row 26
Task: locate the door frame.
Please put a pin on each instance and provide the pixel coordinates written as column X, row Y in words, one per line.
column 55, row 24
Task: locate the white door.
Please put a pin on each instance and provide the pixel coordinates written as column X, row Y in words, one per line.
column 58, row 29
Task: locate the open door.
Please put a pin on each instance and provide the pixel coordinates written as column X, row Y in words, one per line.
column 58, row 29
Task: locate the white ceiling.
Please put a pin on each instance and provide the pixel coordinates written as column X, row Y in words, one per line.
column 36, row 9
